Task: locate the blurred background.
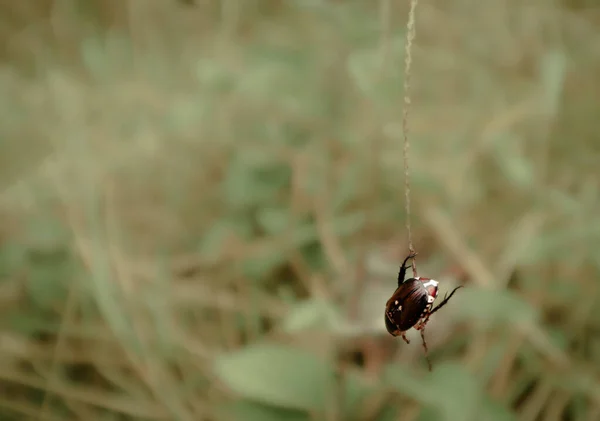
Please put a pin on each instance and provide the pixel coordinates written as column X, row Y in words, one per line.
column 203, row 209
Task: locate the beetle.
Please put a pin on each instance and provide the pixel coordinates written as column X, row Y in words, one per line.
column 411, row 304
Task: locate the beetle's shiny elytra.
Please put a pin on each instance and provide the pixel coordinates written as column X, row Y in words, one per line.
column 411, row 304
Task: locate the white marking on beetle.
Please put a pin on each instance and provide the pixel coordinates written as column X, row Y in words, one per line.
column 432, row 289
column 396, row 302
column 431, row 283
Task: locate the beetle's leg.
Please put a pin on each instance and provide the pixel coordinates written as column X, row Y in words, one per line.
column 403, row 334
column 425, row 348
column 402, row 273
column 421, row 325
column 445, row 300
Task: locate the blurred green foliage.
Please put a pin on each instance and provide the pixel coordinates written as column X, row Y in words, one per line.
column 203, row 209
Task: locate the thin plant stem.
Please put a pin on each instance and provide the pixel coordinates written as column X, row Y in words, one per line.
column 410, row 36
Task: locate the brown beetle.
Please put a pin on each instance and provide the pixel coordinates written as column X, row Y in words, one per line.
column 411, row 304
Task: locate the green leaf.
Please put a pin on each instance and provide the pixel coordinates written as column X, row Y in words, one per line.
column 492, row 360
column 12, row 257
column 512, row 161
column 405, row 381
column 32, row 321
column 277, row 375
column 215, row 237
column 253, row 179
column 559, row 338
column 450, row 389
column 494, row 411
column 428, row 414
column 273, row 220
column 388, row 413
column 312, row 314
column 346, row 191
column 258, row 268
column 454, row 391
column 48, row 277
column 214, row 77
column 357, row 389
column 363, row 66
column 553, row 66
column 50, row 264
column 491, row 307
column 374, row 80
column 253, row 411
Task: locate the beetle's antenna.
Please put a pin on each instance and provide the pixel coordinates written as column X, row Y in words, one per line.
column 425, row 348
column 410, row 36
